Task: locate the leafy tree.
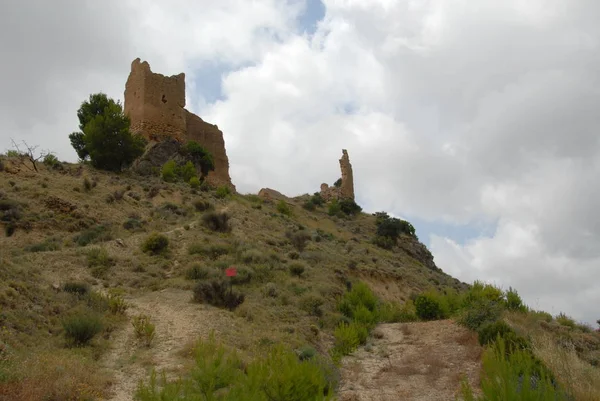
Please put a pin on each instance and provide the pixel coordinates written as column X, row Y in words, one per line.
column 105, row 136
column 201, row 156
column 338, row 183
column 349, row 207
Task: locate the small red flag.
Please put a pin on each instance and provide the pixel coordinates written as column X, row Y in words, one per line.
column 231, row 272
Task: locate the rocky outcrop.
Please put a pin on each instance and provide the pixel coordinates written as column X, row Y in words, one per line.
column 156, row 106
column 345, row 190
column 269, row 194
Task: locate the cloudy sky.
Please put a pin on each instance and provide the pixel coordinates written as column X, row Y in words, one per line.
column 477, row 120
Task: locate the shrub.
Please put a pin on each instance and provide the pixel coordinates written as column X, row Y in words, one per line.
column 117, row 304
column 429, row 306
column 187, row 172
column 347, row 337
column 517, row 375
column 219, row 374
column 223, row 192
column 98, row 233
column 213, row 251
column 200, row 156
column 252, row 256
column 334, row 208
column 393, row 313
column 100, row 261
column 311, row 304
column 51, row 244
column 197, row 272
column 480, row 312
column 299, row 239
column 81, row 328
column 565, row 320
column 144, row 330
column 384, row 242
column 359, row 295
column 87, row 184
column 297, row 269
column 77, row 288
column 202, row 205
column 244, row 276
column 194, row 182
column 514, row 301
column 51, row 161
column 349, row 207
column 219, row 294
column 270, row 290
column 105, row 137
column 306, row 352
column 309, row 205
column 284, row 208
column 338, row 183
column 168, row 171
column 155, row 244
column 216, row 221
column 392, row 227
column 132, row 224
column 317, row 199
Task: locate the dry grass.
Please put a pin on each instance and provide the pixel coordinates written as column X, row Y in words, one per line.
column 55, row 375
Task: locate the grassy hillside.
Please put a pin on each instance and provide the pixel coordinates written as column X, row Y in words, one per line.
column 85, row 254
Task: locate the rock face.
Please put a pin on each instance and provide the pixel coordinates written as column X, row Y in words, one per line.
column 346, row 189
column 156, row 106
column 271, row 195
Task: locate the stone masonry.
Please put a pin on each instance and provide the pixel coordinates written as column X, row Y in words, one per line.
column 346, row 189
column 156, row 106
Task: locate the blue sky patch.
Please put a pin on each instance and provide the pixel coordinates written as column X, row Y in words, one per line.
column 314, row 12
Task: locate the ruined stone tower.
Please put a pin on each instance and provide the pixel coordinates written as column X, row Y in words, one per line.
column 346, row 189
column 156, row 106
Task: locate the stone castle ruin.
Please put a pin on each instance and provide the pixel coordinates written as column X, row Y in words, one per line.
column 346, row 189
column 156, row 106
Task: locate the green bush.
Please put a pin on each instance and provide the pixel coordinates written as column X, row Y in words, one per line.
column 312, row 304
column 365, row 317
column 349, row 207
column 75, row 287
column 359, row 295
column 252, row 256
column 391, row 312
column 308, row 205
column 105, row 137
column 98, row 233
column 155, row 244
column 244, row 275
column 317, row 199
column 194, row 182
column 187, row 172
column 514, row 301
column 213, row 251
column 201, row 156
column 168, row 171
column 515, row 376
column 51, row 161
column 284, row 208
column 384, row 242
column 347, row 337
column 216, row 221
column 50, row 244
column 81, row 328
column 392, row 227
column 197, row 272
column 219, row 374
column 334, row 208
column 218, row 293
column 430, row 306
column 306, row 352
column 338, row 183
column 202, row 205
column 565, row 320
column 223, row 192
column 133, row 224
column 99, row 261
column 479, row 312
column 299, row 239
column 297, row 269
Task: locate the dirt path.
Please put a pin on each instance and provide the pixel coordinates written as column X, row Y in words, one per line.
column 178, row 323
column 412, row 362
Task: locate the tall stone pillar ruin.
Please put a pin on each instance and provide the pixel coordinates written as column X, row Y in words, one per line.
column 346, row 189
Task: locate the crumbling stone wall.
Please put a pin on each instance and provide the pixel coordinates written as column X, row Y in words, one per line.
column 346, row 189
column 156, row 106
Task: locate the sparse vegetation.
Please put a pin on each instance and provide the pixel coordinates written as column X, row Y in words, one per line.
column 223, row 192
column 284, row 208
column 144, row 329
column 218, row 293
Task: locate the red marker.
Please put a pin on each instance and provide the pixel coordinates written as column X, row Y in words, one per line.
column 231, row 272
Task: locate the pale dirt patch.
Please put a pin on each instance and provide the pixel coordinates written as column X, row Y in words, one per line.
column 178, row 324
column 413, row 362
